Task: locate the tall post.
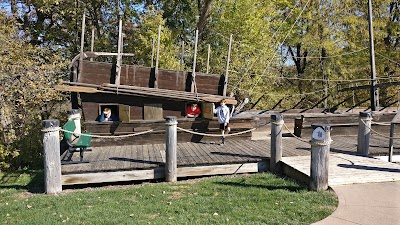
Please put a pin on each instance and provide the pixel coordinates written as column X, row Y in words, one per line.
column 182, row 62
column 51, row 155
column 320, row 145
column 119, row 56
column 390, row 156
column 193, row 86
column 171, row 147
column 374, row 90
column 208, row 58
column 227, row 66
column 82, row 44
column 152, row 53
column 364, row 131
column 276, row 142
column 157, row 57
column 92, row 43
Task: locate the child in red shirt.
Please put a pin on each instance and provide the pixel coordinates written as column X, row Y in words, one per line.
column 193, row 110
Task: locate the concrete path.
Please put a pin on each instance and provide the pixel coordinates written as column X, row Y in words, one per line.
column 366, row 204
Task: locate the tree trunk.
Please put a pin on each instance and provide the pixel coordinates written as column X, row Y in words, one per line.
column 205, row 10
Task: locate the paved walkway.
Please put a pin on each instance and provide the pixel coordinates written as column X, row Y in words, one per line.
column 368, row 189
column 367, row 204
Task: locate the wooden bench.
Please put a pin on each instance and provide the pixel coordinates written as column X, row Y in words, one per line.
column 76, row 142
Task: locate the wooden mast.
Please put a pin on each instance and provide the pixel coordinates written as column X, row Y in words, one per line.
column 157, row 57
column 193, row 87
column 119, row 56
column 227, row 66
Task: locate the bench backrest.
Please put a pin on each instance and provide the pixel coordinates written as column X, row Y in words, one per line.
column 69, row 126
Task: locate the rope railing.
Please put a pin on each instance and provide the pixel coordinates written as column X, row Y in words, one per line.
column 300, row 139
column 215, row 135
column 105, row 136
column 377, row 133
column 379, row 123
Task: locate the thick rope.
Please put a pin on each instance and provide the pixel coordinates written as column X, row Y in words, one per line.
column 100, row 136
column 382, row 124
column 379, row 134
column 215, row 135
column 303, row 140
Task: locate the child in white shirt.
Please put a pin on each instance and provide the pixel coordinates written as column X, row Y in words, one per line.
column 223, row 114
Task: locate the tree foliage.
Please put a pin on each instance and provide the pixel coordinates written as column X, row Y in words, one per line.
column 27, row 74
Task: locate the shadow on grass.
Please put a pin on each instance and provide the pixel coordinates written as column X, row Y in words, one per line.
column 291, row 188
column 12, row 180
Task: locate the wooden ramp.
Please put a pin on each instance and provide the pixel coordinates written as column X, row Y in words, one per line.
column 345, row 166
column 350, row 169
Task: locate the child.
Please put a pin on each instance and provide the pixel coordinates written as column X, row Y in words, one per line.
column 223, row 115
column 107, row 116
column 193, row 111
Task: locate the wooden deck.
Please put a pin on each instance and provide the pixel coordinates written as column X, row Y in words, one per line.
column 141, row 162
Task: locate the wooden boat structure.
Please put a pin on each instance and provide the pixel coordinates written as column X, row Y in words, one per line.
column 143, row 97
column 143, row 101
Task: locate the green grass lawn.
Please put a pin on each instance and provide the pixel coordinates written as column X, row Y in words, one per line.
column 244, row 199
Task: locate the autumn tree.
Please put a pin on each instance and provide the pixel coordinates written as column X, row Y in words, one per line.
column 27, row 75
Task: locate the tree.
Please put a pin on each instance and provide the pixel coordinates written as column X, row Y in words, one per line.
column 27, row 74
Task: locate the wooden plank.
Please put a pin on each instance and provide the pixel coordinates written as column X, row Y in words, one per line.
column 124, row 112
column 158, row 173
column 196, row 157
column 118, row 158
column 203, row 154
column 146, row 156
column 187, row 158
column 68, row 88
column 181, row 160
column 222, row 169
column 153, row 111
column 133, row 156
column 139, row 157
column 157, row 154
column 128, row 160
column 87, row 178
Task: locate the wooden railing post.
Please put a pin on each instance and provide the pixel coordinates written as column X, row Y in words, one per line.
column 364, row 131
column 320, row 145
column 276, row 142
column 171, row 147
column 52, row 161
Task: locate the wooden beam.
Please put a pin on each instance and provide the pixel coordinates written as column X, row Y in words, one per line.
column 157, row 57
column 193, row 87
column 208, row 58
column 82, row 44
column 119, row 56
column 158, row 173
column 227, row 66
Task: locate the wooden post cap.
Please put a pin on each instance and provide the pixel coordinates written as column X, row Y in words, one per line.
column 277, row 117
column 73, row 112
column 324, row 127
column 171, row 120
column 365, row 114
column 50, row 123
